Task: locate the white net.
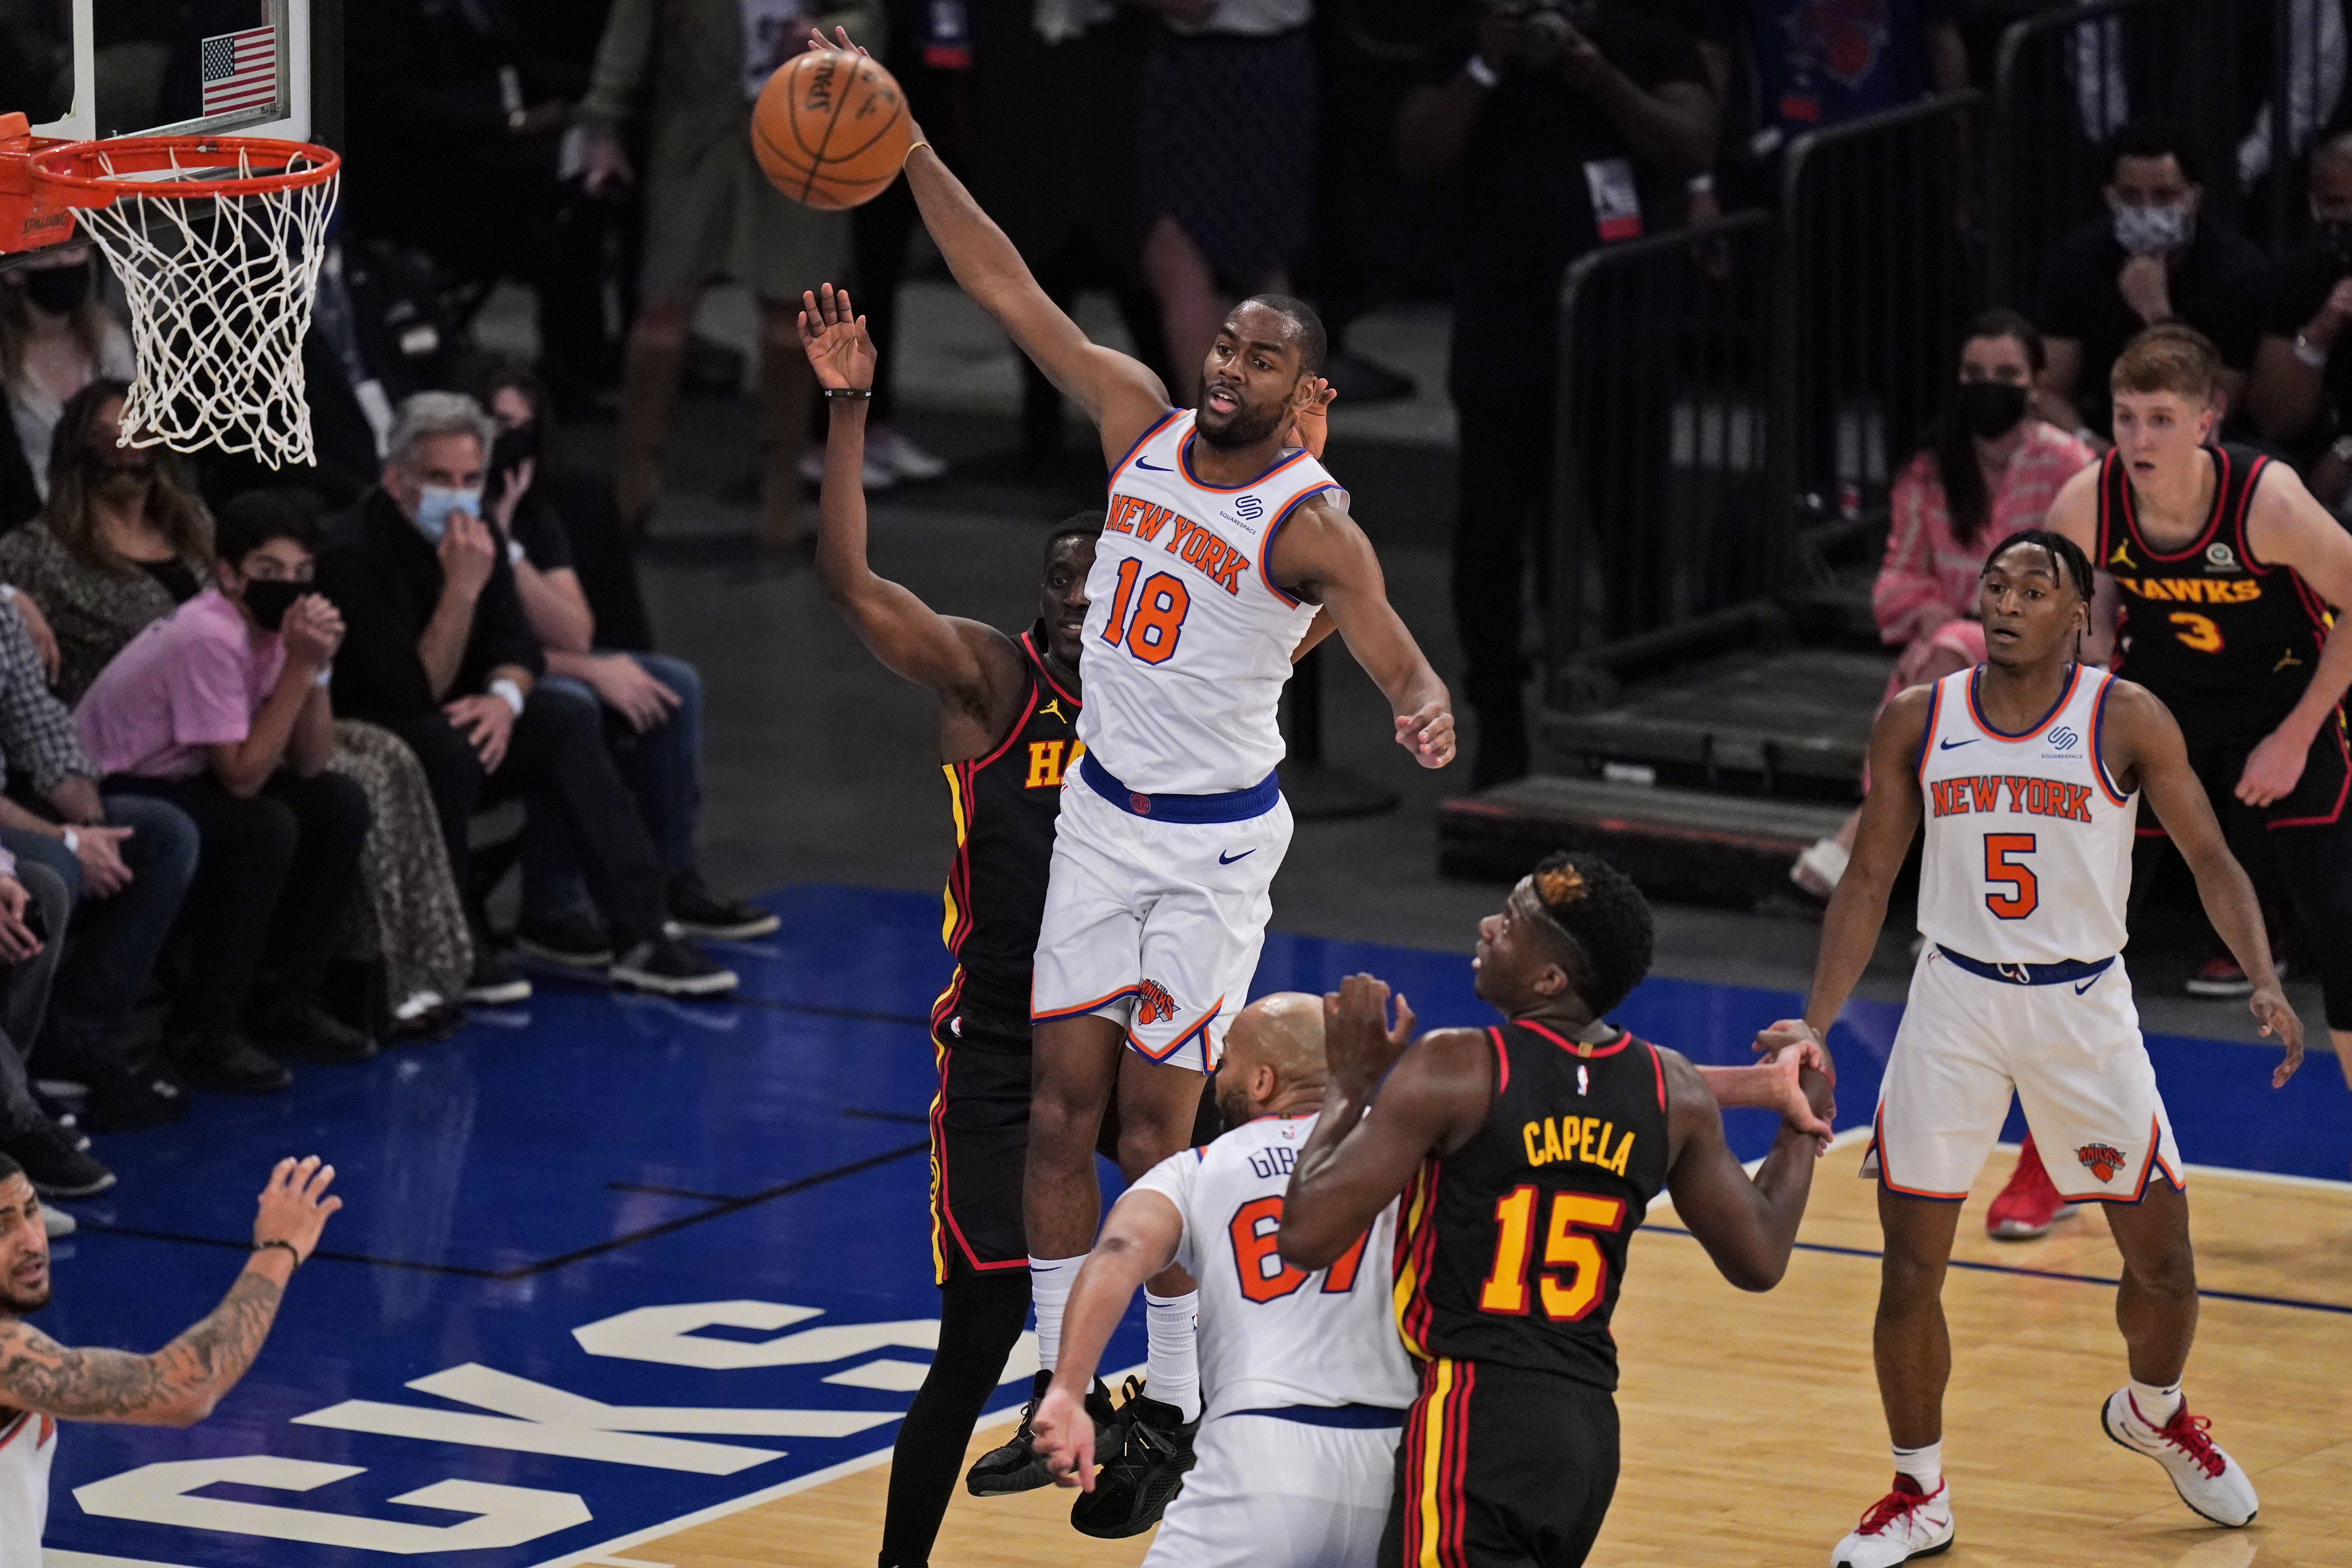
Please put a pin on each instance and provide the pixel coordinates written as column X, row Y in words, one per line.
column 220, row 289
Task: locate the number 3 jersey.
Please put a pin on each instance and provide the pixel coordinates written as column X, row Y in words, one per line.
column 1272, row 1336
column 1188, row 638
column 2028, row 854
column 1512, row 1248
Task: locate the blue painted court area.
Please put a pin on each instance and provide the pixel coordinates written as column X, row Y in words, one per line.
column 609, row 1262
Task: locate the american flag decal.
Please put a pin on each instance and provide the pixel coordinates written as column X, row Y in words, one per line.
column 239, row 69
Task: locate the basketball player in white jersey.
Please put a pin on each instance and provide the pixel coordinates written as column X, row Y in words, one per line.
column 1219, row 551
column 43, row 1382
column 2028, row 771
column 1305, row 1379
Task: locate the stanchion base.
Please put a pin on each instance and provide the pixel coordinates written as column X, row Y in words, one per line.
column 1318, row 791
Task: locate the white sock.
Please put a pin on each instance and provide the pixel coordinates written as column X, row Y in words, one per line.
column 1924, row 1466
column 1050, row 1280
column 1172, row 1367
column 2156, row 1406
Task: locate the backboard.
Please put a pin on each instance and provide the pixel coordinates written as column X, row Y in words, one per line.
column 87, row 69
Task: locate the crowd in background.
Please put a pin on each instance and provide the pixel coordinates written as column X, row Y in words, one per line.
column 251, row 721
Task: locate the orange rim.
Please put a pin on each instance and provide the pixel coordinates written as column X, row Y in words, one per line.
column 110, row 169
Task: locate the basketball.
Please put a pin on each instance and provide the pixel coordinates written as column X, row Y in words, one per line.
column 831, row 130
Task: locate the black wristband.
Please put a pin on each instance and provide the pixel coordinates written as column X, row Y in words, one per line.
column 291, row 1250
column 850, row 394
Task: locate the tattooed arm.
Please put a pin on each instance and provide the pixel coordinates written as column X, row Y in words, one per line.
column 179, row 1385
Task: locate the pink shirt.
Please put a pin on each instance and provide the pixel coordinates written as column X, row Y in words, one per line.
column 1929, row 577
column 190, row 680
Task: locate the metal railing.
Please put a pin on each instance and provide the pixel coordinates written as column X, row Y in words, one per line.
column 1659, row 513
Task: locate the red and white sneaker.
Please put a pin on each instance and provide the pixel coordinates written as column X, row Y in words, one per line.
column 1904, row 1524
column 2210, row 1481
column 2029, row 1204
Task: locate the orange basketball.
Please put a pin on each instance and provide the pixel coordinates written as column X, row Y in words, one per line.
column 831, row 130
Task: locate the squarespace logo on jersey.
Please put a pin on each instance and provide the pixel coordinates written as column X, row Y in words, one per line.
column 1190, row 542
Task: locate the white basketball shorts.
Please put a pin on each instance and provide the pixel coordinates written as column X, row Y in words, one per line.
column 1279, row 1494
column 1155, row 924
column 2071, row 1050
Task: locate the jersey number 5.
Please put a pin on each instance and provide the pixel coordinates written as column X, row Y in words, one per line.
column 1265, row 1276
column 1565, row 1245
column 2024, row 893
column 1151, row 633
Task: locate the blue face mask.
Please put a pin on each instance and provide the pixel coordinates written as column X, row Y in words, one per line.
column 436, row 503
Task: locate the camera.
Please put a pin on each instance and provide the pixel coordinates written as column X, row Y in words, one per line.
column 1545, row 26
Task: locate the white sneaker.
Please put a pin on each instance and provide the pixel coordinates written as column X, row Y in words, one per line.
column 878, row 475
column 1821, row 868
column 2210, row 1481
column 888, row 446
column 1904, row 1524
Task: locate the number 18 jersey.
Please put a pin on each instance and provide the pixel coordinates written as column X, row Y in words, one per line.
column 1188, row 638
column 2028, row 853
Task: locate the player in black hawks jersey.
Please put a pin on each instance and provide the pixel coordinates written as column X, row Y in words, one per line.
column 1529, row 1154
column 2228, row 571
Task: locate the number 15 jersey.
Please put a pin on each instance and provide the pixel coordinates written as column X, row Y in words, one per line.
column 1188, row 638
column 2028, row 854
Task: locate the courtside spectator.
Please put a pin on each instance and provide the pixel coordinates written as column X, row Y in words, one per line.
column 2156, row 255
column 1558, row 139
column 33, row 913
column 442, row 653
column 650, row 706
column 2300, row 393
column 56, row 337
column 222, row 709
column 1986, row 468
column 693, row 67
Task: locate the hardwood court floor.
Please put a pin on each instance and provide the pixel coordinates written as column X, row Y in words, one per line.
column 1751, row 1425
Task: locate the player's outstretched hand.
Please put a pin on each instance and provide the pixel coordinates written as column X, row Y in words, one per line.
column 1360, row 1045
column 295, row 1205
column 1428, row 734
column 1796, row 1033
column 1808, row 1100
column 1065, row 1434
column 2277, row 1016
column 833, row 336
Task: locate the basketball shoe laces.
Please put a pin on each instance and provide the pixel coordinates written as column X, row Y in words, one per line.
column 2187, row 1433
column 1906, row 1499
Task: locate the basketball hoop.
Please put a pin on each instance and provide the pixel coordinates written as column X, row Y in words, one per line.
column 218, row 241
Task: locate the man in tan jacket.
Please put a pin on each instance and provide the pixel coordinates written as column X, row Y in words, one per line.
column 695, row 66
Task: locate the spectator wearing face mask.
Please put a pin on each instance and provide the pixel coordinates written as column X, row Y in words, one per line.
column 1986, row 468
column 55, row 338
column 2156, row 255
column 221, row 708
column 442, row 653
column 2301, row 391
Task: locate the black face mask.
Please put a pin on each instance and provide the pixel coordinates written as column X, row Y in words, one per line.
column 2335, row 239
column 270, row 599
column 1989, row 408
column 57, row 290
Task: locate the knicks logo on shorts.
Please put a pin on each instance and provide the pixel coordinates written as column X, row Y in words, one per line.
column 2102, row 1159
column 1152, row 1003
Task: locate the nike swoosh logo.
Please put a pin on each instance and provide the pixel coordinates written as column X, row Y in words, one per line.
column 1229, row 859
column 2086, row 984
column 1947, row 745
column 1155, row 468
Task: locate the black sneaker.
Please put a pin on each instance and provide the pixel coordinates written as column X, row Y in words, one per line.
column 428, row 1025
column 298, row 1028
column 1014, row 1464
column 575, row 939
column 695, row 910
column 55, row 1167
column 493, row 982
column 1141, row 1473
column 669, row 967
column 127, row 1099
column 226, row 1063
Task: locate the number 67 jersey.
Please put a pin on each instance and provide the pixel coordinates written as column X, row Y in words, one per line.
column 2029, row 842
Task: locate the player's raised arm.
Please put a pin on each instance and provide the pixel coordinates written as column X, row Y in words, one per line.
column 2143, row 748
column 961, row 660
column 1747, row 1224
column 1322, row 555
column 1138, row 1241
column 179, row 1385
column 2285, row 527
